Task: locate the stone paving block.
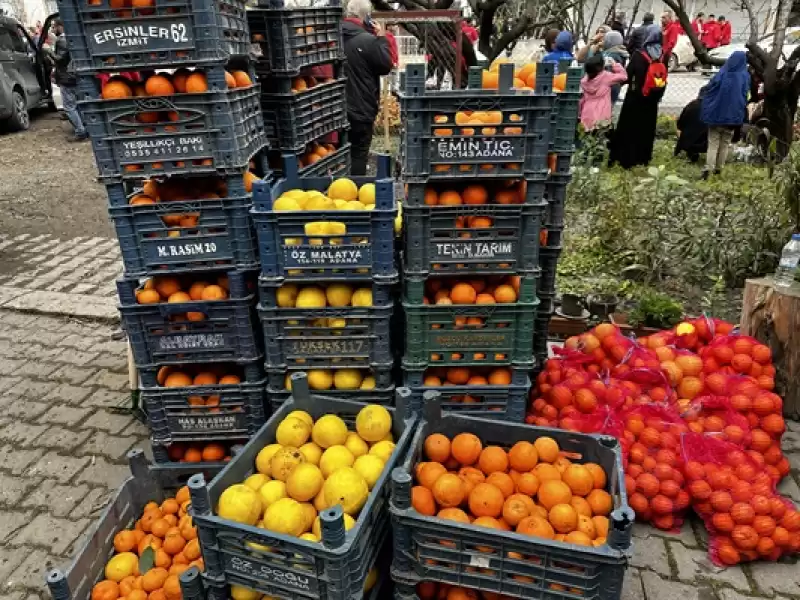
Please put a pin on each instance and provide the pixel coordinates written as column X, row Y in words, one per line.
column 36, row 369
column 100, row 472
column 33, row 569
column 50, row 532
column 107, row 421
column 788, row 487
column 8, row 382
column 21, row 408
column 64, row 414
column 694, row 565
column 72, row 374
column 115, row 447
column 138, row 430
column 75, row 357
column 82, row 305
column 729, row 594
column 34, row 390
column 656, row 588
column 102, row 398
column 651, row 553
column 81, row 341
column 13, row 488
column 56, row 498
column 12, row 521
column 38, row 352
column 110, row 380
column 685, row 535
column 17, row 319
column 58, row 466
column 22, row 434
column 71, row 394
column 794, row 461
column 632, row 585
column 18, row 460
column 65, row 440
column 111, row 361
column 10, row 366
column 93, row 503
column 772, row 577
column 7, row 349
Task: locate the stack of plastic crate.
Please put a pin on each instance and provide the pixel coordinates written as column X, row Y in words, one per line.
column 299, row 63
column 167, row 96
column 562, row 144
column 475, row 168
column 325, row 287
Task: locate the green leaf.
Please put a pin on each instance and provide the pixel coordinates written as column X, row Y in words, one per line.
column 652, row 171
column 147, row 560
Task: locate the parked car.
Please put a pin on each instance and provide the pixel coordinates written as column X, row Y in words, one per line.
column 790, row 42
column 24, row 76
column 683, row 55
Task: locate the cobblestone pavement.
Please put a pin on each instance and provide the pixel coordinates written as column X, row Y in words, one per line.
column 63, row 442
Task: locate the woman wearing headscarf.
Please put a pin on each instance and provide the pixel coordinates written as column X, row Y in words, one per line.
column 562, row 48
column 724, row 109
column 614, row 48
column 594, row 46
column 633, row 139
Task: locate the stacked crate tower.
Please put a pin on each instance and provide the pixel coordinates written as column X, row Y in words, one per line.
column 475, row 163
column 168, row 98
column 299, row 63
column 326, row 241
column 563, row 128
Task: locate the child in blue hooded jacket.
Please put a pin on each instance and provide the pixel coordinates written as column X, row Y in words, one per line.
column 562, row 49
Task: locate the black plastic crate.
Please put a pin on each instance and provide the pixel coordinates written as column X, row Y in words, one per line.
column 308, row 338
column 564, row 123
column 278, row 396
column 442, row 139
column 162, row 460
column 166, row 33
column 287, row 566
column 548, row 260
column 288, row 40
column 146, row 484
column 541, row 331
column 503, row 402
column 199, row 331
column 504, row 336
column 556, row 196
column 503, row 192
column 294, row 119
column 213, row 132
column 433, row 549
column 365, row 251
column 547, row 305
column 335, row 164
column 472, row 240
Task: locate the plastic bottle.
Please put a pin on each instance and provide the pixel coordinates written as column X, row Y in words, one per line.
column 784, row 274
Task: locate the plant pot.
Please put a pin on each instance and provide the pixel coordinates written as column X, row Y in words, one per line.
column 602, row 305
column 572, row 305
column 620, row 319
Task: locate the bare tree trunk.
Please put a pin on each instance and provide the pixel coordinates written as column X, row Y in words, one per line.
column 781, row 19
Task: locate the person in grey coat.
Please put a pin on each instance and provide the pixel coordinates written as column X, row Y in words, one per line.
column 638, row 35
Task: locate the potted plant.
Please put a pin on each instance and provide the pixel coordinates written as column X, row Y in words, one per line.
column 655, row 311
column 604, row 300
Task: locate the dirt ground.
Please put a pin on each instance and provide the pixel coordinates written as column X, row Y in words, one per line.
column 49, row 185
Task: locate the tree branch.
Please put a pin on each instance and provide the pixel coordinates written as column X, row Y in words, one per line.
column 700, row 51
column 510, row 36
column 781, row 20
column 751, row 17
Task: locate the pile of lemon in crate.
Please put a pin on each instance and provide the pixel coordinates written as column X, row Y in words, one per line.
column 312, row 466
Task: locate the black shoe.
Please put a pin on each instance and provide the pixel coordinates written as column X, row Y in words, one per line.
column 78, row 138
column 717, row 171
column 704, row 175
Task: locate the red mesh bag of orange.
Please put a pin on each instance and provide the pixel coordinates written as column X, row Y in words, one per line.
column 715, row 415
column 742, row 355
column 654, row 478
column 746, row 518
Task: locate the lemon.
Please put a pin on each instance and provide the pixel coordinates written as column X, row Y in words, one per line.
column 347, row 379
column 271, row 492
column 320, row 203
column 283, row 203
column 316, row 528
column 285, row 461
column 312, row 453
column 343, row 189
column 285, row 516
column 122, row 565
column 256, row 480
column 319, row 502
column 310, row 513
column 310, row 297
column 340, row 204
column 329, row 430
column 337, row 323
column 373, row 422
column 287, row 295
column 354, row 205
column 242, row 593
column 366, row 195
column 356, row 445
column 319, row 379
column 265, row 457
column 368, row 383
column 302, row 415
column 382, row 450
column 338, row 294
column 370, row 468
column 369, row 207
column 387, row 438
column 335, row 458
column 372, row 579
column 295, row 194
column 304, row 482
column 287, row 382
column 240, row 503
column 362, row 297
column 309, row 537
column 292, row 432
column 347, row 487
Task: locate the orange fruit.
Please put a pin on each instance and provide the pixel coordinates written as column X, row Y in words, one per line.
column 449, row 490
column 125, row 541
column 553, row 492
column 427, row 473
column 600, row 501
column 546, row 472
column 486, row 500
column 154, row 579
column 466, row 448
column 475, row 194
column 182, row 495
column 600, row 526
column 450, row 198
column 579, row 479
column 598, row 475
column 213, row 453
column 196, row 83
column 159, row 527
column 105, row 590
column 453, row 514
column 174, row 542
column 242, row 79
column 437, row 447
column 547, row 448
column 581, row 506
column 172, row 588
column 515, row 508
column 423, row 501
column 162, row 559
column 527, row 484
column 493, row 459
column 523, row 456
column 503, row 482
column 563, row 518
column 192, row 550
column 505, row 294
column 536, row 526
column 463, row 293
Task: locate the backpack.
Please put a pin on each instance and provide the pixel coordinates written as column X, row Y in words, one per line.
column 655, row 81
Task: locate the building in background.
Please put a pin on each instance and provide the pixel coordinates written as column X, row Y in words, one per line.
column 28, row 12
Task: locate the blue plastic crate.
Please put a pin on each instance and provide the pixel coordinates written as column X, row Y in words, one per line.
column 163, row 333
column 287, row 566
column 222, row 237
column 278, row 396
column 564, row 122
column 163, row 461
column 167, row 33
column 433, row 549
column 287, row 40
column 365, row 252
column 548, row 260
column 335, row 164
column 502, row 402
column 294, row 119
column 205, row 133
column 307, row 339
column 146, row 484
column 440, row 142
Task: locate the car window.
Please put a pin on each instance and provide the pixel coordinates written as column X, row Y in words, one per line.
column 5, row 40
column 19, row 44
column 793, row 37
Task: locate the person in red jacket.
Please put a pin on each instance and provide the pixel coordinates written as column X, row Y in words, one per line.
column 711, row 33
column 670, row 29
column 724, row 31
column 697, row 25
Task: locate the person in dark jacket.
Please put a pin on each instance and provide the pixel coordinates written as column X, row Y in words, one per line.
column 618, row 24
column 692, row 132
column 724, row 108
column 67, row 80
column 638, row 35
column 614, row 48
column 369, row 55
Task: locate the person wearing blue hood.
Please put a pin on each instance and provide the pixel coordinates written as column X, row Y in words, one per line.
column 724, row 109
column 562, row 49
